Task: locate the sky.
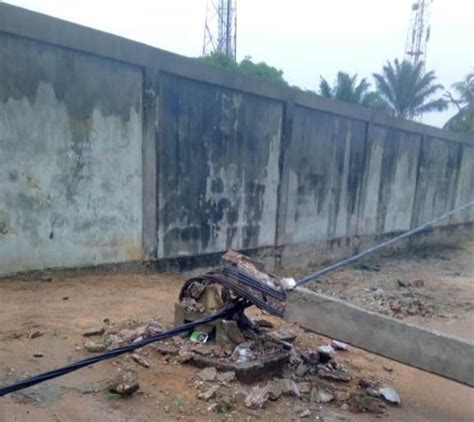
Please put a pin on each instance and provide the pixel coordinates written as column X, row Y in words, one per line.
column 304, row 38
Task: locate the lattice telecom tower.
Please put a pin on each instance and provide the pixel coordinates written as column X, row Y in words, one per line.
column 220, row 29
column 418, row 32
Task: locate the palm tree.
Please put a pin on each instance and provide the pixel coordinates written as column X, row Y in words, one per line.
column 345, row 88
column 407, row 91
column 463, row 120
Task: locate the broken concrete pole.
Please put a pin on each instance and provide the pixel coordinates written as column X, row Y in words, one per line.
column 428, row 350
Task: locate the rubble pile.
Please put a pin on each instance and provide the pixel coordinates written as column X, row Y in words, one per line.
column 244, row 362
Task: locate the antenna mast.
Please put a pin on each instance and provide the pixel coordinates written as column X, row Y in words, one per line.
column 220, row 28
column 418, row 32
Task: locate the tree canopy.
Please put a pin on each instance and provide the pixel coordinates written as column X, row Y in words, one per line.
column 246, row 66
column 463, row 120
column 407, row 91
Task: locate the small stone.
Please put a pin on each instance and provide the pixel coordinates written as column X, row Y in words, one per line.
column 36, row 334
column 209, row 394
column 344, row 406
column 94, row 331
column 207, row 374
column 304, row 387
column 65, row 297
column 319, row 395
column 232, row 332
column 418, row 283
column 389, row 394
column 334, row 374
column 339, row 345
column 403, row 284
column 301, row 370
column 125, row 383
column 342, row 395
column 388, row 368
column 166, row 409
column 367, row 383
column 167, row 349
column 45, row 277
column 284, row 334
column 305, row 413
column 226, row 376
column 289, row 387
column 38, row 355
column 325, row 353
column 274, row 390
column 140, row 360
column 93, row 347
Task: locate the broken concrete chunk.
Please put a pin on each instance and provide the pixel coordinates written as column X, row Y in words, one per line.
column 365, row 403
column 274, row 390
column 325, row 353
column 304, row 413
column 319, row 395
column 301, row 370
column 284, row 334
column 94, row 331
column 334, row 374
column 167, row 349
column 339, row 345
column 389, row 394
column 367, row 383
column 232, row 331
column 289, row 387
column 125, row 383
column 207, row 374
column 226, row 376
column 94, row 347
column 209, row 394
column 140, row 360
column 256, row 398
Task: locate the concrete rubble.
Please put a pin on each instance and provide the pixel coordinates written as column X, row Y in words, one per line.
column 252, row 363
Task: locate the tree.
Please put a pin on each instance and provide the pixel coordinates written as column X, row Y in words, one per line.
column 463, row 120
column 345, row 88
column 246, row 66
column 262, row 70
column 407, row 91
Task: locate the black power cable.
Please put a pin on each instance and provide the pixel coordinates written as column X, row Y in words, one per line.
column 227, row 311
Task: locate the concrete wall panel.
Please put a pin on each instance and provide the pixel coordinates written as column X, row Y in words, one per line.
column 389, row 181
column 70, row 158
column 440, row 162
column 465, row 187
column 218, row 155
column 324, row 179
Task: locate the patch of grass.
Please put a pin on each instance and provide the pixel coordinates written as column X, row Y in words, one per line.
column 113, row 396
column 367, row 265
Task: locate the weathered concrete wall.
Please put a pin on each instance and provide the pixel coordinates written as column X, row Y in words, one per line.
column 218, row 153
column 111, row 150
column 70, row 158
column 324, row 175
column 389, row 182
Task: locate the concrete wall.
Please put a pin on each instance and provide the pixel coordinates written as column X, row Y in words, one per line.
column 218, row 174
column 112, row 151
column 70, row 158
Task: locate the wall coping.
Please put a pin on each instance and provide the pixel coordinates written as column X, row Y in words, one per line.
column 39, row 27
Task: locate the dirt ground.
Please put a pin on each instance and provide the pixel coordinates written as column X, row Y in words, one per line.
column 430, row 287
